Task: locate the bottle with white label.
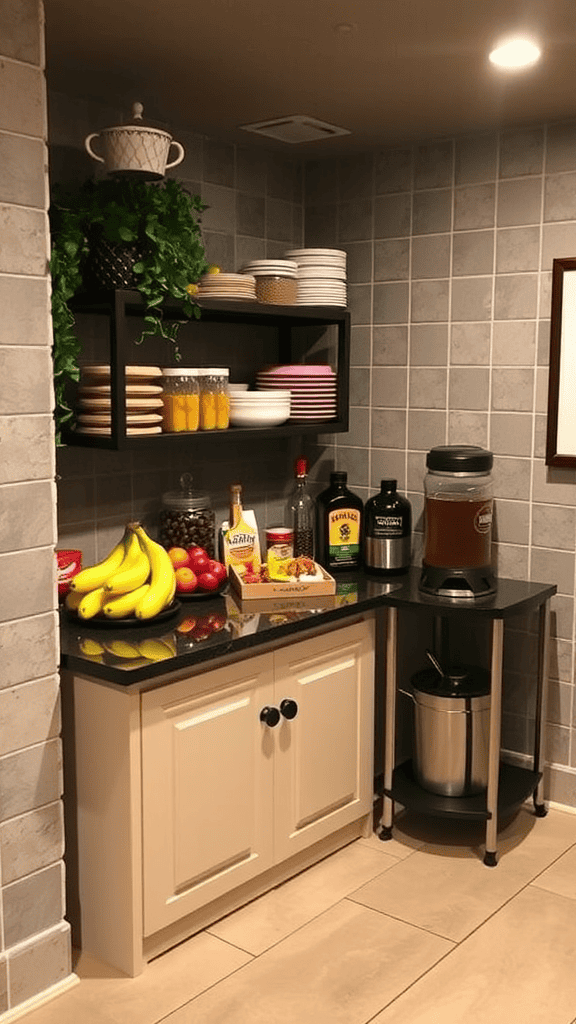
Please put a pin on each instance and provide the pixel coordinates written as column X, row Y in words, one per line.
column 388, row 531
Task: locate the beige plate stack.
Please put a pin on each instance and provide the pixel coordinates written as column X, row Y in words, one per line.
column 143, row 400
column 227, row 286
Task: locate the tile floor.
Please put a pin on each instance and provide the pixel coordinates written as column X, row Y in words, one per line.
column 413, row 931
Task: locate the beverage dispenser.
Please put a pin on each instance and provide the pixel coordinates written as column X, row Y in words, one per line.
column 458, row 510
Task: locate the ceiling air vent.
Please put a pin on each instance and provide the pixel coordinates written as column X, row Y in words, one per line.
column 295, row 128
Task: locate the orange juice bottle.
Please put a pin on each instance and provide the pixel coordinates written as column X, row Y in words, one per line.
column 214, row 400
column 180, row 399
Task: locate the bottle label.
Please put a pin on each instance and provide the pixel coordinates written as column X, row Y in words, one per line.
column 387, row 526
column 344, row 535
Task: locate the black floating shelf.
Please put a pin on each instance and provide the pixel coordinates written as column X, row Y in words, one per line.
column 137, row 442
column 515, row 786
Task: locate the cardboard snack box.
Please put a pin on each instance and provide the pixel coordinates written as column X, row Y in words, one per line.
column 276, row 589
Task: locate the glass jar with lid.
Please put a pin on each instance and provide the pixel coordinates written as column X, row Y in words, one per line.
column 180, row 399
column 214, row 398
column 458, row 511
column 187, row 518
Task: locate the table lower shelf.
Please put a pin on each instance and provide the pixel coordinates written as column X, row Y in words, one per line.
column 515, row 786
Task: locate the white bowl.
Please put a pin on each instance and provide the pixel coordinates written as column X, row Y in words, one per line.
column 261, row 397
column 264, row 417
column 238, row 387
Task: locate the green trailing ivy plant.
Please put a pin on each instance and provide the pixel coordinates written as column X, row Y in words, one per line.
column 160, row 220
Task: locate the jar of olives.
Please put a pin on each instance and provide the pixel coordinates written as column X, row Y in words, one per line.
column 187, row 518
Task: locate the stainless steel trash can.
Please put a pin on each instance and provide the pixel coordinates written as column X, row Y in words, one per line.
column 451, row 730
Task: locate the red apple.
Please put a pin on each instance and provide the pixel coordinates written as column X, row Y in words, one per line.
column 208, row 581
column 178, row 557
column 194, row 551
column 199, row 563
column 186, row 580
column 218, row 569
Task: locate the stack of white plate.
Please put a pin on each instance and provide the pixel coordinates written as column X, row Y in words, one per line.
column 314, row 390
column 227, row 286
column 321, row 276
column 259, row 408
column 143, row 400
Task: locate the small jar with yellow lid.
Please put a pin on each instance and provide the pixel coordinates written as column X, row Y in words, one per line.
column 180, row 399
column 214, row 399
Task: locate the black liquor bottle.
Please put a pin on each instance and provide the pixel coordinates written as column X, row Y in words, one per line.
column 387, row 531
column 339, row 524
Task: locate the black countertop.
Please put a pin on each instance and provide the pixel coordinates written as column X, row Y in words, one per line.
column 203, row 630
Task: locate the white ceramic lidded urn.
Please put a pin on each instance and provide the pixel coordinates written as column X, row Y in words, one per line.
column 135, row 147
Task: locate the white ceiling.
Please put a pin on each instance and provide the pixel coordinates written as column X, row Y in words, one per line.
column 404, row 69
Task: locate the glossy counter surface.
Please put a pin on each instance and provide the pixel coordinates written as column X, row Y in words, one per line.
column 205, row 629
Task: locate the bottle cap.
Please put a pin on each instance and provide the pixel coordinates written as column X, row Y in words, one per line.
column 388, row 485
column 338, row 476
column 301, row 466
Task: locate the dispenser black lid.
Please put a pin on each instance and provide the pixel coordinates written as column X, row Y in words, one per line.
column 457, row 458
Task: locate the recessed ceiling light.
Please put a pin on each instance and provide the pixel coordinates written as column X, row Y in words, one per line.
column 516, row 53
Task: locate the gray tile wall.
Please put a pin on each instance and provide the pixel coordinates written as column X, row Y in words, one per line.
column 34, row 939
column 255, row 209
column 450, row 247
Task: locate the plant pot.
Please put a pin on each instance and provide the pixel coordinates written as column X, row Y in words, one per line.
column 111, row 264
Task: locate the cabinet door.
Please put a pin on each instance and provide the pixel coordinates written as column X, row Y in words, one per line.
column 324, row 756
column 207, row 764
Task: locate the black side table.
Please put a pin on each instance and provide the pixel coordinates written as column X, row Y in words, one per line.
column 508, row 785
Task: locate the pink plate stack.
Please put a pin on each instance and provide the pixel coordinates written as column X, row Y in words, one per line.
column 314, row 390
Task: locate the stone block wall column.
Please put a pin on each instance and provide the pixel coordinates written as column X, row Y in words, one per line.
column 34, row 938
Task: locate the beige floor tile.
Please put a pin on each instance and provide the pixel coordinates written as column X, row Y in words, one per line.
column 340, row 969
column 105, row 996
column 405, row 838
column 280, row 912
column 447, row 888
column 518, row 967
column 560, row 877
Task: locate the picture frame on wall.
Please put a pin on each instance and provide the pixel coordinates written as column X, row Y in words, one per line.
column 561, row 422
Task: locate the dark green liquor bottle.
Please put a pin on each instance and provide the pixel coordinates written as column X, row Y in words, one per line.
column 339, row 525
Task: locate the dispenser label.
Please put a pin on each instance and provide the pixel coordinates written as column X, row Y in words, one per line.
column 483, row 519
column 344, row 534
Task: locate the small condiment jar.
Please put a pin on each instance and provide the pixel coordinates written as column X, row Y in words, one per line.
column 187, row 518
column 214, row 398
column 180, row 399
column 280, row 541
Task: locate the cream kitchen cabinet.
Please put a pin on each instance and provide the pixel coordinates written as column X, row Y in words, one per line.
column 197, row 795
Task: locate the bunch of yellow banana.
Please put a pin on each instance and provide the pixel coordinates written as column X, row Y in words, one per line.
column 136, row 578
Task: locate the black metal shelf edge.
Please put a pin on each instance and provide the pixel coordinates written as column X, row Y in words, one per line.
column 203, row 436
column 102, row 302
column 515, row 786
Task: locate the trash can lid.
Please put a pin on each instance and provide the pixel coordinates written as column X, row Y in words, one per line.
column 458, row 681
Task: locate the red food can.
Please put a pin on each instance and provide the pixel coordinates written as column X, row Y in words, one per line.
column 69, row 564
column 280, row 541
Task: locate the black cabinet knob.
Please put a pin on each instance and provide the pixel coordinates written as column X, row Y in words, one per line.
column 289, row 708
column 270, row 716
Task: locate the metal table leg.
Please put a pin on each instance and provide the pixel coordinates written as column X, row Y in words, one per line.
column 389, row 721
column 490, row 857
column 540, row 808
